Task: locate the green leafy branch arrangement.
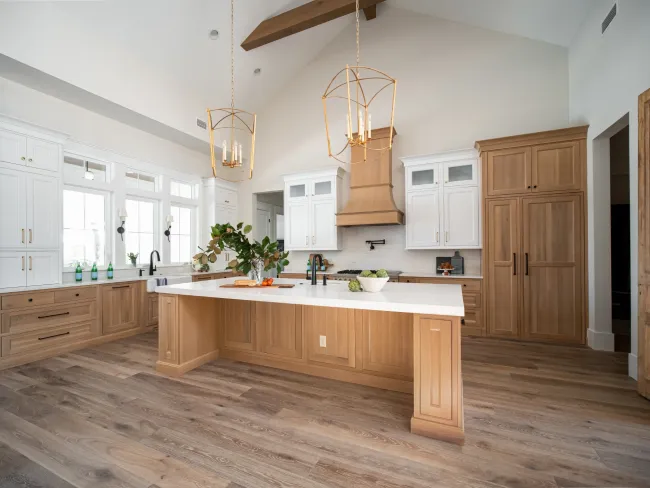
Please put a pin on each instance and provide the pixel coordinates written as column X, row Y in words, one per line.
column 249, row 253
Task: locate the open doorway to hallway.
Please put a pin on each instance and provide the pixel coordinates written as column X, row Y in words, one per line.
column 269, row 220
column 619, row 157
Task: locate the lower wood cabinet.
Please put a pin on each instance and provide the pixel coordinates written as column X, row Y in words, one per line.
column 279, row 329
column 152, row 309
column 46, row 339
column 331, row 335
column 388, row 343
column 238, row 325
column 119, row 307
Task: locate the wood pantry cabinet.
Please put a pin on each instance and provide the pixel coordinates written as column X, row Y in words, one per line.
column 534, row 253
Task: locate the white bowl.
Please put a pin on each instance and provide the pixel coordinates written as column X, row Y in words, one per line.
column 372, row 285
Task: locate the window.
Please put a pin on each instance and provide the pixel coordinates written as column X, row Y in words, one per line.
column 141, row 181
column 140, row 228
column 84, row 227
column 181, row 235
column 78, row 169
column 180, row 189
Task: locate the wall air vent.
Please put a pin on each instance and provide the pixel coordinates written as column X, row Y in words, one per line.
column 610, row 16
column 201, row 123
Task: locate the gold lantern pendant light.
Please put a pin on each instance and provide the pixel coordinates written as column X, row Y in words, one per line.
column 359, row 86
column 233, row 127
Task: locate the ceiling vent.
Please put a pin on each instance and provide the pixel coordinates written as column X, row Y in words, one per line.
column 610, row 16
column 201, row 123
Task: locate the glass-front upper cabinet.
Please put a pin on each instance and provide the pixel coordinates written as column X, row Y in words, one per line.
column 322, row 188
column 461, row 173
column 298, row 190
column 423, row 177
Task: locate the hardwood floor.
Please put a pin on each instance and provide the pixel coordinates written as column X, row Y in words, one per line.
column 535, row 416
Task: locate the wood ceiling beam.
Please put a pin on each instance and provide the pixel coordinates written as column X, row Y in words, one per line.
column 305, row 17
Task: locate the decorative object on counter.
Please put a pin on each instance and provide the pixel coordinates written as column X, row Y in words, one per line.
column 93, row 272
column 354, row 285
column 109, row 271
column 373, row 243
column 458, row 262
column 228, row 122
column 199, row 267
column 133, row 257
column 123, row 215
column 358, row 86
column 309, row 264
column 78, row 273
column 440, row 261
column 170, row 219
column 373, row 282
column 445, row 268
column 253, row 257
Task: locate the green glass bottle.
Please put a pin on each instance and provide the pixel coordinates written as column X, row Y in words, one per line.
column 93, row 272
column 78, row 272
column 109, row 271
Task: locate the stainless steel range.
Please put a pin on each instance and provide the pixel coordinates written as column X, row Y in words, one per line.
column 350, row 274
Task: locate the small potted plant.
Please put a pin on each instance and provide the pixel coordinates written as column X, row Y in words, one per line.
column 133, row 257
column 253, row 257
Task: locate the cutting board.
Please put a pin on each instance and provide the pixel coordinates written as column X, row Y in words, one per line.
column 257, row 286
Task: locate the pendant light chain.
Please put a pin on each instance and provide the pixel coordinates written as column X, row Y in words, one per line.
column 232, row 54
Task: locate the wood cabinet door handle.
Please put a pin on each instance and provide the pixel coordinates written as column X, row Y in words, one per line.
column 53, row 315
column 514, row 264
column 53, row 336
column 526, row 257
column 123, row 286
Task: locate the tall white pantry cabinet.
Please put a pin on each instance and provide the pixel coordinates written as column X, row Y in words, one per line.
column 443, row 201
column 30, row 205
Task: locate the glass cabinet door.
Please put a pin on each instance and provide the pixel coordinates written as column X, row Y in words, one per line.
column 322, row 189
column 461, row 173
column 423, row 177
column 298, row 190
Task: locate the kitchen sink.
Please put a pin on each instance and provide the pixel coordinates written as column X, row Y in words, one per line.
column 171, row 280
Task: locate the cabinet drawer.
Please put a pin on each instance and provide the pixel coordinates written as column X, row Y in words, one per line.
column 472, row 319
column 26, row 320
column 467, row 284
column 407, row 279
column 472, row 300
column 24, row 300
column 76, row 294
column 42, row 340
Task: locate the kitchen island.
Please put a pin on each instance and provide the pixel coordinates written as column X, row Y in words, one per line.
column 405, row 338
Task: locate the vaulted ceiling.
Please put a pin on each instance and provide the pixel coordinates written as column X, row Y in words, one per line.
column 155, row 58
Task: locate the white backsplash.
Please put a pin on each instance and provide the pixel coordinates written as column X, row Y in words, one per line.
column 392, row 255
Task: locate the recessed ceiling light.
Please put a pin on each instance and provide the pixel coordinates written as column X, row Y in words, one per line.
column 257, row 71
column 214, row 34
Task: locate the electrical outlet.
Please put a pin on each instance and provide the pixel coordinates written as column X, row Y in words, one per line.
column 323, row 341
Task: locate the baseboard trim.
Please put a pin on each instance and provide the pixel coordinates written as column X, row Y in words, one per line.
column 600, row 341
column 632, row 366
column 176, row 370
column 447, row 433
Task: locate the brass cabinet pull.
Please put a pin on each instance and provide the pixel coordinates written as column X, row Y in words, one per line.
column 446, row 236
column 313, row 239
column 53, row 336
column 23, row 260
column 22, row 236
column 30, row 236
column 437, row 236
column 30, row 160
column 23, row 158
column 53, row 315
column 30, row 263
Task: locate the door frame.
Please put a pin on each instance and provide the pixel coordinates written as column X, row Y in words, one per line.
column 643, row 365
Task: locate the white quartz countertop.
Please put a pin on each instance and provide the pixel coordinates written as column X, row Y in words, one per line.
column 422, row 274
column 394, row 297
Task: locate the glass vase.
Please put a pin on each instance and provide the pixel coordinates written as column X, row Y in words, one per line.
column 257, row 269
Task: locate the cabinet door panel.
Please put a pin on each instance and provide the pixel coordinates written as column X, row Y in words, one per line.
column 297, row 226
column 168, row 329
column 43, row 154
column 12, row 269
column 503, row 268
column 557, row 167
column 42, row 212
column 119, row 308
column 461, row 211
column 461, row 173
column 423, row 177
column 336, row 328
column 323, row 218
column 423, row 219
column 238, row 325
column 279, row 329
column 42, row 268
column 152, row 311
column 13, row 148
column 553, row 290
column 508, row 171
column 13, row 214
column 388, row 343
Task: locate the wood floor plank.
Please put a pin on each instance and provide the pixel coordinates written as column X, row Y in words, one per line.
column 18, row 471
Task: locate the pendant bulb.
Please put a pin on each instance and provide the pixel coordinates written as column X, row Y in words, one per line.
column 369, row 126
column 224, row 150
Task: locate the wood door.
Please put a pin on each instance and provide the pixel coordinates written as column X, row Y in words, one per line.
column 13, row 148
column 323, row 221
column 387, row 347
column 423, row 219
column 461, row 215
column 279, row 329
column 331, row 334
column 43, row 268
column 553, row 268
column 508, row 172
column 503, row 267
column 43, row 154
column 557, row 167
column 643, row 352
column 42, row 212
column 119, row 307
column 13, row 269
column 13, row 213
column 238, row 325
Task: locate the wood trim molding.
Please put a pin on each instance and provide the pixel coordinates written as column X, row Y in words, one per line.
column 643, row 361
column 558, row 135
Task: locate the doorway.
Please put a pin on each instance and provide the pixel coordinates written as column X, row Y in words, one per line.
column 619, row 180
column 269, row 220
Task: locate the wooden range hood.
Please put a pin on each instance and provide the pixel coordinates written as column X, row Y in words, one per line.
column 371, row 186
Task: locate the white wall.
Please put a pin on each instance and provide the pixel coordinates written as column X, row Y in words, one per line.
column 456, row 84
column 607, row 74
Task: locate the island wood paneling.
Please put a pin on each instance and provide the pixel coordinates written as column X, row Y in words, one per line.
column 238, row 324
column 338, row 326
column 279, row 329
column 387, row 346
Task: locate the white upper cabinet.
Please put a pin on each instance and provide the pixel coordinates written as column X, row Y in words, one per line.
column 42, row 268
column 43, row 210
column 13, row 213
column 29, row 151
column 443, row 201
column 13, row 148
column 311, row 202
column 13, row 269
